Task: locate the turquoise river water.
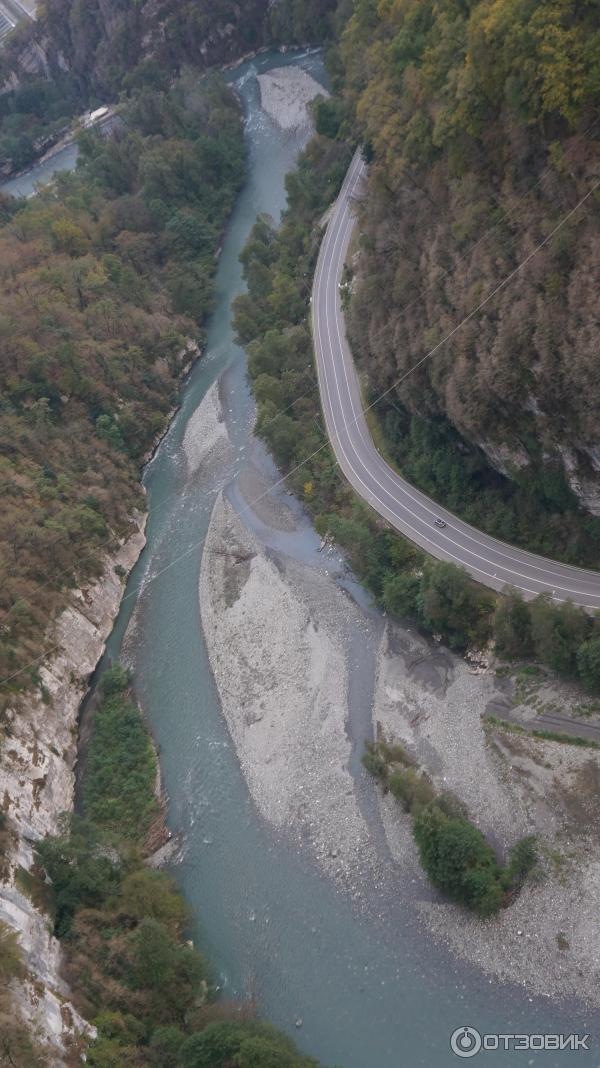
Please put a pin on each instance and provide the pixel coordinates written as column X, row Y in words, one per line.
column 371, row 988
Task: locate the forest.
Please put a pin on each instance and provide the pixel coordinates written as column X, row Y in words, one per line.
column 80, row 55
column 107, row 279
column 272, row 321
column 481, row 124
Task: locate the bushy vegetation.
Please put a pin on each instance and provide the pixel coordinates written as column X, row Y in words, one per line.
column 131, row 971
column 121, row 767
column 271, row 320
column 106, row 279
column 562, row 636
column 453, row 851
column 18, row 1047
column 477, row 120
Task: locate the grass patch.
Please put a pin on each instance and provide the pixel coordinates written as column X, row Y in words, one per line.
column 536, row 732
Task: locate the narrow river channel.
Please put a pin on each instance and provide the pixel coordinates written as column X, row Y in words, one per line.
column 370, row 987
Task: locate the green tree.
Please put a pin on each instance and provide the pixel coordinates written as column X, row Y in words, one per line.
column 153, row 895
column 171, row 971
column 82, row 874
column 458, row 860
column 401, row 594
column 165, row 1046
column 449, row 602
column 557, row 631
column 114, row 680
column 512, row 626
column 588, row 664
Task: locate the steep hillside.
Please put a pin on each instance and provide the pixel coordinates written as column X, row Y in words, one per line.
column 83, row 54
column 106, row 279
column 481, row 119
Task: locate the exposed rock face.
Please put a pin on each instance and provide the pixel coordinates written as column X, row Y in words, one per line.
column 505, row 458
column 582, row 476
column 37, row 763
column 92, row 40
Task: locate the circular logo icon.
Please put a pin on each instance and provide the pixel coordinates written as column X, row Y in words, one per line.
column 465, row 1042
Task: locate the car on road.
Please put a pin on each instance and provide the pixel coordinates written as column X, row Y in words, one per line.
column 440, row 523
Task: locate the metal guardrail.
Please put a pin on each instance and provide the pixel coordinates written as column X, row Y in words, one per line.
column 5, row 26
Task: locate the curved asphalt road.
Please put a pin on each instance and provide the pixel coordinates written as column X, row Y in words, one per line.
column 491, row 562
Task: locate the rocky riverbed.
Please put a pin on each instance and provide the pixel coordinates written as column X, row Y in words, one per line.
column 285, row 94
column 281, row 635
column 275, row 634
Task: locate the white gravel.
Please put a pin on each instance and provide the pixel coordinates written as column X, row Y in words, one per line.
column 548, row 940
column 428, row 699
column 285, row 93
column 282, row 674
column 206, row 440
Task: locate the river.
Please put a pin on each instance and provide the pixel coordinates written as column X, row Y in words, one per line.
column 371, row 988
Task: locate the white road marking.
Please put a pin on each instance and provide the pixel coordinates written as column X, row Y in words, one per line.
column 326, row 293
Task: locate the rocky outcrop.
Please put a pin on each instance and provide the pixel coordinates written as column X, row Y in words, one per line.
column 37, row 762
column 100, row 39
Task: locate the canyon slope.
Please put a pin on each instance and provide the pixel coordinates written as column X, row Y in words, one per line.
column 481, row 125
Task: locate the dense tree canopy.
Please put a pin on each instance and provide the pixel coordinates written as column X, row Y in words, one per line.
column 106, row 280
column 481, row 122
column 79, row 55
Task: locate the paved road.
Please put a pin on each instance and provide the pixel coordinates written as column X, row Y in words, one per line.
column 11, row 12
column 491, row 562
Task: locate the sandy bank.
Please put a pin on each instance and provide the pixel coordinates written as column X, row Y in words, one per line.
column 206, row 441
column 285, row 94
column 272, row 630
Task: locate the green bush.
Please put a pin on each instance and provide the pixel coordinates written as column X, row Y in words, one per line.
column 522, row 858
column 118, row 792
column 114, row 680
column 451, row 603
column 588, row 664
column 374, row 762
column 243, row 1045
column 411, row 788
column 557, row 631
column 512, row 626
column 458, row 860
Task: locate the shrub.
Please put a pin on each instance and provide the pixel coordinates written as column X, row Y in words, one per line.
column 458, row 860
column 557, row 631
column 119, row 786
column 245, row 1045
column 114, row 680
column 522, row 858
column 512, row 626
column 374, row 762
column 412, row 789
column 401, row 594
column 451, row 603
column 588, row 664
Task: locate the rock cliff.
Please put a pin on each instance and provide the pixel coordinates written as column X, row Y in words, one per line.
column 37, row 762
